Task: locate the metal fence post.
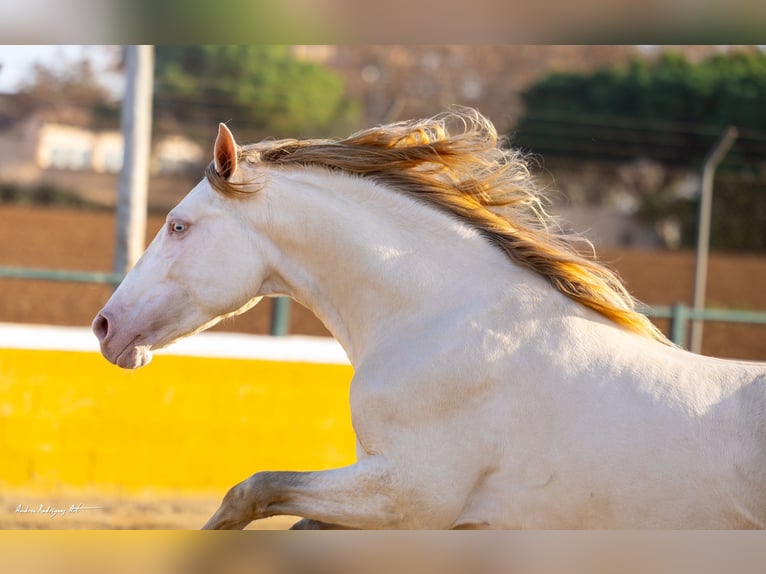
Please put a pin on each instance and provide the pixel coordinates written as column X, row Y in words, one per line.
column 679, row 315
column 280, row 316
column 703, row 232
column 133, row 184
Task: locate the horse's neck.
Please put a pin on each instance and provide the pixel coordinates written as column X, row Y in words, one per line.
column 369, row 261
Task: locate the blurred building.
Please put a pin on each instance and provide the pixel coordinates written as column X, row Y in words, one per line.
column 62, row 151
column 61, row 146
column 67, row 147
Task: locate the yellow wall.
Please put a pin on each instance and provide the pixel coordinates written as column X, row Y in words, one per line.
column 70, row 419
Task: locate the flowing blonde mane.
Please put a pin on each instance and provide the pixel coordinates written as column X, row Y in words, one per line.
column 455, row 163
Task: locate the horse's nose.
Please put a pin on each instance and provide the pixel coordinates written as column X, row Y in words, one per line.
column 100, row 327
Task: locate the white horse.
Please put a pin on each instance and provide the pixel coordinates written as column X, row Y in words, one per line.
column 501, row 379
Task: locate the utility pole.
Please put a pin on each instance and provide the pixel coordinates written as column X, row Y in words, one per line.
column 136, row 126
column 714, row 157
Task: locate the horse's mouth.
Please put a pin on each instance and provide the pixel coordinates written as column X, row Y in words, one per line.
column 133, row 356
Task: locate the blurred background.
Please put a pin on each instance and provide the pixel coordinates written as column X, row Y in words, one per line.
column 618, row 135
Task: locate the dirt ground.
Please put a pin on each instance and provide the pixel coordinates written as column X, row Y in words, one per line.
column 83, row 240
column 20, row 510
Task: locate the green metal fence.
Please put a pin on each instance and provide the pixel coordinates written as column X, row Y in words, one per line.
column 61, row 275
column 679, row 314
column 280, row 310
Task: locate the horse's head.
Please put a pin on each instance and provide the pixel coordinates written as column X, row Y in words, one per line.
column 202, row 266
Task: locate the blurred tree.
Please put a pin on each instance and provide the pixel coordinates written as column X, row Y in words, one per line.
column 398, row 82
column 739, row 214
column 263, row 89
column 670, row 111
column 72, row 93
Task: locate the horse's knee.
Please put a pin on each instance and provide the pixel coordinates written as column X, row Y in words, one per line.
column 240, row 506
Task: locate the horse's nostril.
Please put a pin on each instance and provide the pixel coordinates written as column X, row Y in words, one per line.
column 100, row 327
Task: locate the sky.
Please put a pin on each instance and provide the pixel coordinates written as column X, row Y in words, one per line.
column 16, row 62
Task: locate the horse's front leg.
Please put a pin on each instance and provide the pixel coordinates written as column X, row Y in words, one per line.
column 362, row 495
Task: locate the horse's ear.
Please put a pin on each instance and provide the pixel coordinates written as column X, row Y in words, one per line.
column 225, row 153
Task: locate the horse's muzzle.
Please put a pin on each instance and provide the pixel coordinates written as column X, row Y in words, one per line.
column 125, row 354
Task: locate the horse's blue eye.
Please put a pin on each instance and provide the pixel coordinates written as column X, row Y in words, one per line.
column 177, row 227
